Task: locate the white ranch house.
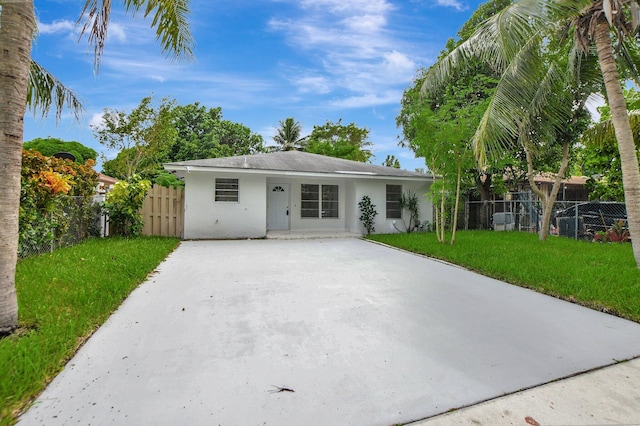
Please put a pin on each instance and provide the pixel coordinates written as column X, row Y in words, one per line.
column 248, row 196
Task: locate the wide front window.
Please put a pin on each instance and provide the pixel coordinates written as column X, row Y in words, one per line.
column 319, row 201
column 394, row 192
column 226, row 190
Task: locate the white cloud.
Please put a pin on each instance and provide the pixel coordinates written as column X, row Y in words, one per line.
column 353, row 6
column 56, row 27
column 398, row 65
column 117, row 32
column 368, row 99
column 312, row 84
column 62, row 26
column 97, row 120
column 365, row 23
column 353, row 49
column 451, row 3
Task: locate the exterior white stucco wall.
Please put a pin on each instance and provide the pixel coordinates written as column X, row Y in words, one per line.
column 299, row 223
column 247, row 218
column 377, row 191
column 204, row 218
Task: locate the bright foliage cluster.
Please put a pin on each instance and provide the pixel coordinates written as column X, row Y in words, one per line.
column 50, row 188
column 123, row 204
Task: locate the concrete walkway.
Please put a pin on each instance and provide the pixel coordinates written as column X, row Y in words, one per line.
column 607, row 396
column 322, row 332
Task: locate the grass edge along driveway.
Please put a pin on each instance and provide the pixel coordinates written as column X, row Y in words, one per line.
column 63, row 298
column 596, row 275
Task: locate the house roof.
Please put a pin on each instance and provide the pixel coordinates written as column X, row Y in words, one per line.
column 573, row 180
column 295, row 162
column 106, row 179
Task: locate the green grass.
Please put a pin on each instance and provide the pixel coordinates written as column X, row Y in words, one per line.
column 600, row 276
column 63, row 298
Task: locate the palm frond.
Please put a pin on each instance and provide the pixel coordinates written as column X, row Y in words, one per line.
column 629, row 58
column 96, row 15
column 169, row 20
column 45, row 91
column 603, row 134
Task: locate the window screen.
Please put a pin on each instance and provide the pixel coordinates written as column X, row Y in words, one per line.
column 226, row 190
column 310, row 205
column 394, row 192
column 329, row 200
column 319, row 201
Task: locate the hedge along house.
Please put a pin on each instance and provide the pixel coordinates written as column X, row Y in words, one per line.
column 248, row 196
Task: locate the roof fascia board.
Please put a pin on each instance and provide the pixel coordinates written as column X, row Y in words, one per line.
column 189, row 169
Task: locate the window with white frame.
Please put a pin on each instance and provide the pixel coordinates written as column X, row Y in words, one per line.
column 226, row 190
column 394, row 193
column 319, row 201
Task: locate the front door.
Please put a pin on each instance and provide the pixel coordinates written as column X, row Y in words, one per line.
column 277, row 206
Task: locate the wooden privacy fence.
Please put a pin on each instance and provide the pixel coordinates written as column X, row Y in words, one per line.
column 163, row 212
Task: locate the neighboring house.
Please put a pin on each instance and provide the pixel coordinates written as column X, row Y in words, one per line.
column 571, row 189
column 105, row 183
column 247, row 196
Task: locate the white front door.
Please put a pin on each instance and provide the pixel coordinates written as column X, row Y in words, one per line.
column 277, row 206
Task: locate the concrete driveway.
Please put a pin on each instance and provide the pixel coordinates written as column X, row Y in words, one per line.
column 320, row 332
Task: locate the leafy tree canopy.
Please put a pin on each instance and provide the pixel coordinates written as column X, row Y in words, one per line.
column 440, row 127
column 337, row 140
column 202, row 133
column 140, row 137
column 50, row 146
column 391, row 161
column 599, row 159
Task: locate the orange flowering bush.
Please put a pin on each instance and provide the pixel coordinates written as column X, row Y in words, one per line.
column 50, row 188
column 53, row 181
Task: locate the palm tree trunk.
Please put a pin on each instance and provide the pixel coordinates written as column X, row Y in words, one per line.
column 624, row 136
column 17, row 23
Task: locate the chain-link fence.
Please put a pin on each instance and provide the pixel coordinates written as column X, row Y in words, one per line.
column 518, row 212
column 70, row 221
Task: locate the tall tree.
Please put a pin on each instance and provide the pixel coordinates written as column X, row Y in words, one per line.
column 202, row 133
column 22, row 81
column 51, row 146
column 465, row 90
column 288, row 136
column 511, row 42
column 17, row 24
column 142, row 137
column 461, row 94
column 337, row 140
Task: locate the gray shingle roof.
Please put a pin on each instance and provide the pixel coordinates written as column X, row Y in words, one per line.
column 296, row 161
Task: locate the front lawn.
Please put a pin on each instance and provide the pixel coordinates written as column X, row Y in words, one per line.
column 600, row 276
column 63, row 298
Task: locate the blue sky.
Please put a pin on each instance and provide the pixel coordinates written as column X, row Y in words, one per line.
column 260, row 61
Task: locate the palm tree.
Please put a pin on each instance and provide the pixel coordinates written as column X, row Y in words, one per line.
column 512, row 41
column 24, row 83
column 288, row 136
column 17, row 23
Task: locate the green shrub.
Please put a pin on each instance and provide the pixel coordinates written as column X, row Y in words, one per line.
column 122, row 205
column 53, row 194
column 368, row 214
